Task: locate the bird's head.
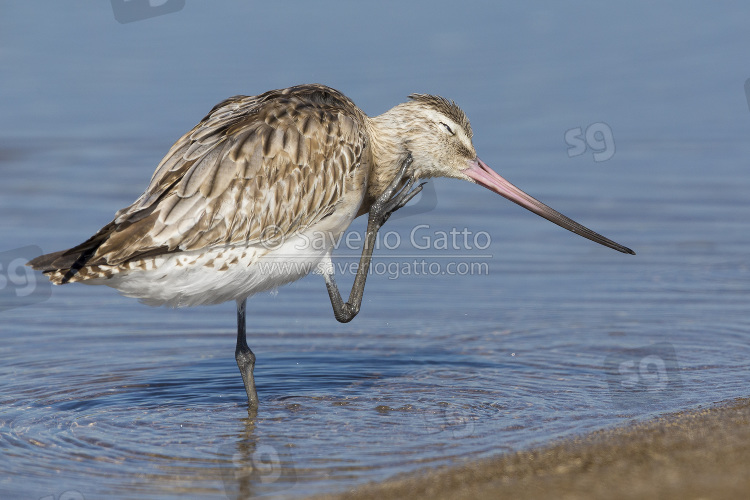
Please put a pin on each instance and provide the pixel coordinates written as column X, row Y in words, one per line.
column 438, row 136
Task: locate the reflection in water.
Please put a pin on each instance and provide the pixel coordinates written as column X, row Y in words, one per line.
column 248, row 465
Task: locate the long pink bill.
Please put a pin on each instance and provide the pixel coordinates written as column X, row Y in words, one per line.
column 485, row 176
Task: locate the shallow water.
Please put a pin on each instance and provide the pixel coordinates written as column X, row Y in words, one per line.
column 102, row 396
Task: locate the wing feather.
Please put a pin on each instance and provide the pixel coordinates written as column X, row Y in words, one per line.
column 280, row 160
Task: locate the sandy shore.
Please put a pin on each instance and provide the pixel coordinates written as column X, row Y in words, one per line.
column 700, row 454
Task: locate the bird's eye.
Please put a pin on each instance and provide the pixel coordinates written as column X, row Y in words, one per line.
column 450, row 131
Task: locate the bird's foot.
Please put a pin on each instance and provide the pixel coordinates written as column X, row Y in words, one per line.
column 394, row 197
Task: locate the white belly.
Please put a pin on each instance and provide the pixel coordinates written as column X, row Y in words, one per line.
column 218, row 275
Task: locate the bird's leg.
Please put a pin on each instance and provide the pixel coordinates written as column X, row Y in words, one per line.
column 391, row 200
column 245, row 357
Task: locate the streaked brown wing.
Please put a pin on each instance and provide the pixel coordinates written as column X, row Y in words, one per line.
column 254, row 168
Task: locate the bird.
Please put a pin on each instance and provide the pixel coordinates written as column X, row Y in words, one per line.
column 229, row 207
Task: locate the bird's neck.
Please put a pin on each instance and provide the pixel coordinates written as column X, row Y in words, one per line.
column 389, row 148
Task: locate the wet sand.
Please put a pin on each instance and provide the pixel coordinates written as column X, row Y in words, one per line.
column 702, row 453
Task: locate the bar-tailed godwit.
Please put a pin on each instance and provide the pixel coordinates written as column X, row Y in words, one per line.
column 247, row 188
